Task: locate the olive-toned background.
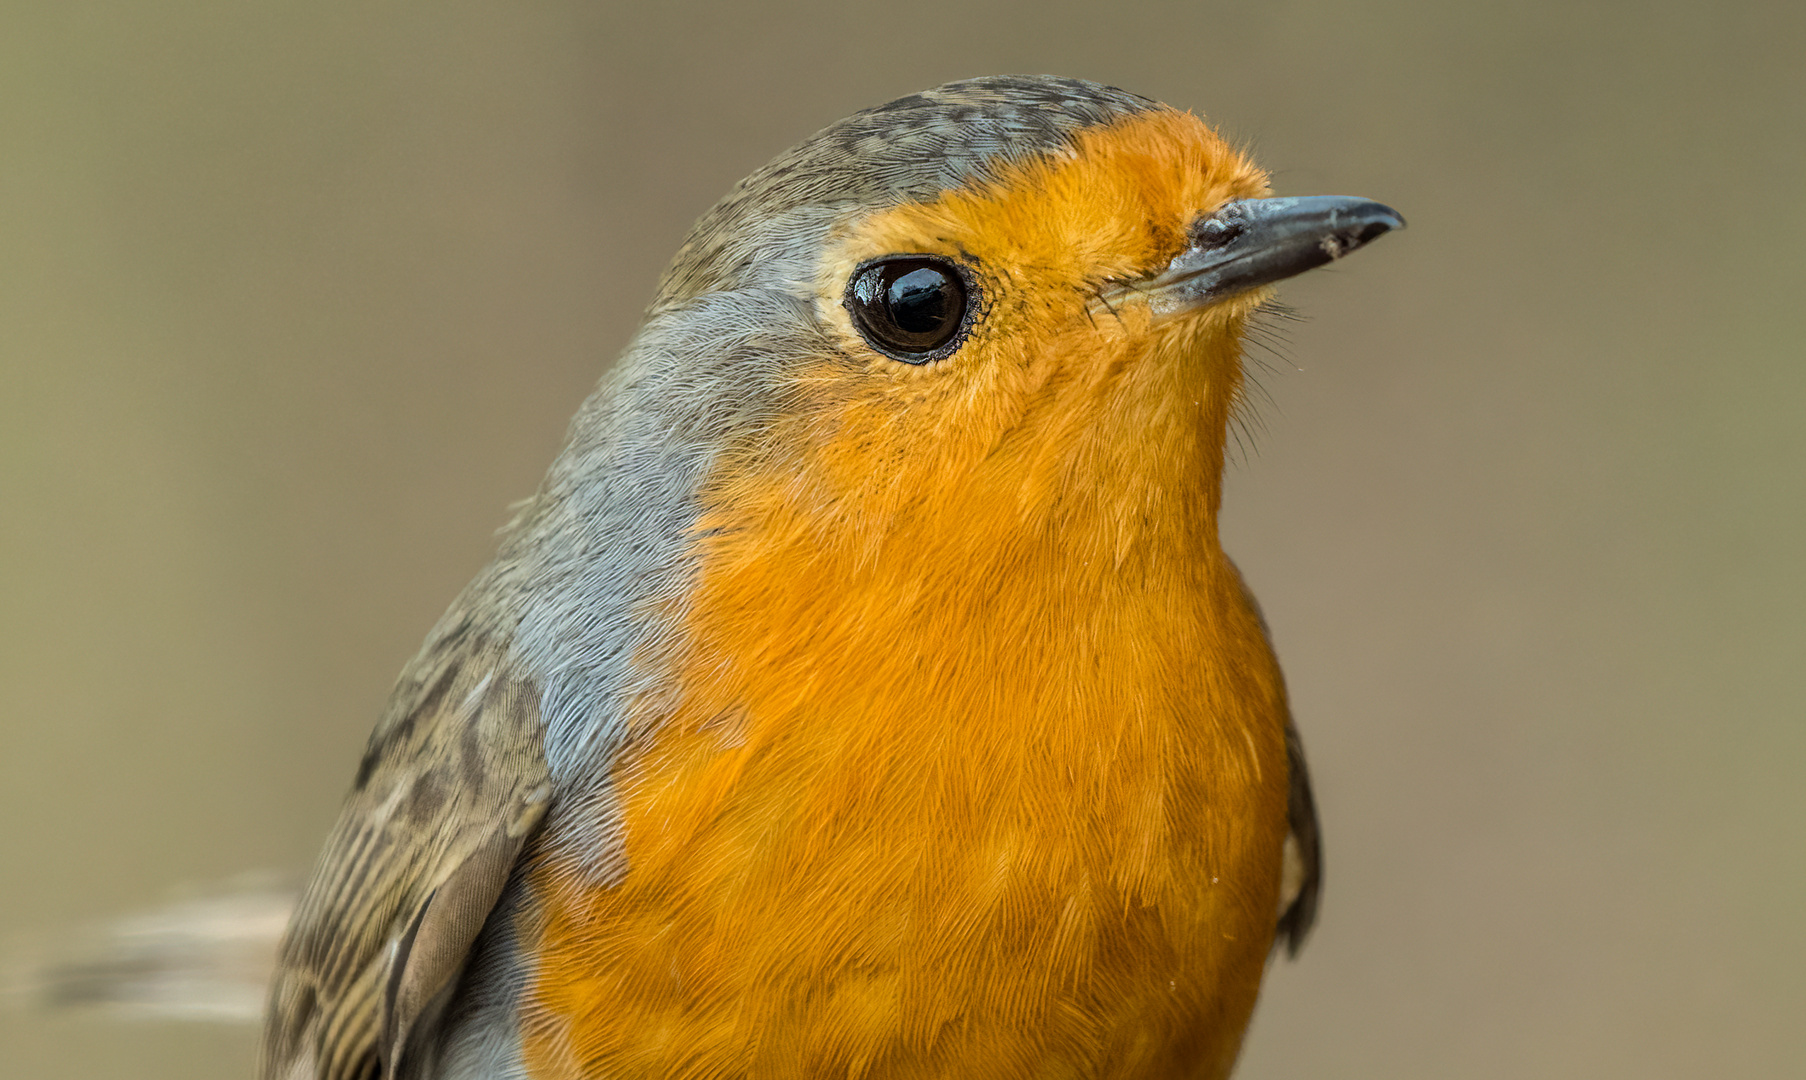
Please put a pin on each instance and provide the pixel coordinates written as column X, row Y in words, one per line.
column 295, row 299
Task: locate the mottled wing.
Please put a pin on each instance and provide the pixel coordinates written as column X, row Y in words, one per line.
column 1301, row 881
column 452, row 785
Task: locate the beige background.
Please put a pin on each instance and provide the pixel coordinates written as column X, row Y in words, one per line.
column 296, row 298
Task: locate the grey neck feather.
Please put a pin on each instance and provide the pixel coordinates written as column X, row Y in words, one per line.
column 598, row 566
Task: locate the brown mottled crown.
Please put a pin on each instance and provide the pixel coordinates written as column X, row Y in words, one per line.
column 911, row 148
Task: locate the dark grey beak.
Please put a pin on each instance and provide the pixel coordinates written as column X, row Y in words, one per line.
column 1253, row 242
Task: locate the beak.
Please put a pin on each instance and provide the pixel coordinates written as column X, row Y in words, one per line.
column 1253, row 242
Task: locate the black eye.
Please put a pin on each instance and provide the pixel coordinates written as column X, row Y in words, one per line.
column 913, row 308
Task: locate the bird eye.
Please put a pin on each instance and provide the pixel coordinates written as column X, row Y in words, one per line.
column 913, row 308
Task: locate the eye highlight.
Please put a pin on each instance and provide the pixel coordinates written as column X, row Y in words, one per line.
column 913, row 308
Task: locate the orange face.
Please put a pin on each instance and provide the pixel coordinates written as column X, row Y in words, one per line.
column 949, row 787
column 1055, row 385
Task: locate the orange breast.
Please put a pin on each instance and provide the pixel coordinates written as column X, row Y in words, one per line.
column 1045, row 846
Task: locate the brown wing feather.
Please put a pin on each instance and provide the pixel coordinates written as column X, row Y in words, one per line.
column 1302, row 881
column 453, row 784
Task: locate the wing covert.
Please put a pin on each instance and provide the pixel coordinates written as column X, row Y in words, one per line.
column 453, row 784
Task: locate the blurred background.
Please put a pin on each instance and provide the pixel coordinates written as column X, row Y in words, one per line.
column 295, row 299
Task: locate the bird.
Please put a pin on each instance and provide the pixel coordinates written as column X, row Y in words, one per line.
column 865, row 692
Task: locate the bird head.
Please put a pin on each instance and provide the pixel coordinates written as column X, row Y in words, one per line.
column 1005, row 295
column 991, row 326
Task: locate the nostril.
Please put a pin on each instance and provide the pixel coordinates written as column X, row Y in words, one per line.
column 1217, row 229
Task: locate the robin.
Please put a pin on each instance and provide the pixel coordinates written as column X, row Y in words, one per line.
column 865, row 692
